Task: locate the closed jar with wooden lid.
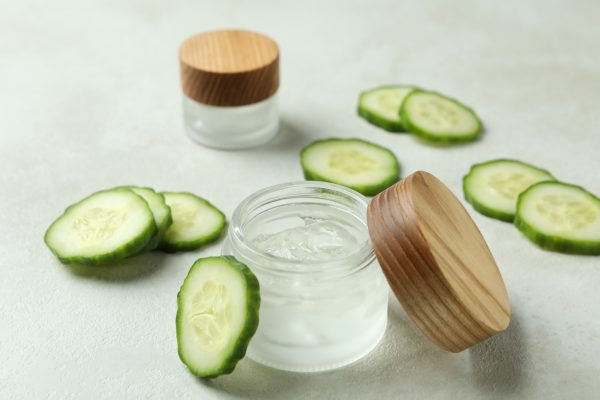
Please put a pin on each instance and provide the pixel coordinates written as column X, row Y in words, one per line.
column 229, row 80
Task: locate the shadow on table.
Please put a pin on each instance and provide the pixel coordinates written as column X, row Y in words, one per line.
column 398, row 361
column 128, row 269
column 498, row 363
column 291, row 137
column 405, row 363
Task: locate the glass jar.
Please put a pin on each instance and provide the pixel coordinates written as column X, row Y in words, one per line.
column 323, row 295
column 231, row 127
column 229, row 80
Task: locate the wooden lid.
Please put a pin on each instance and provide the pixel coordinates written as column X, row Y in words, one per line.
column 437, row 263
column 229, row 67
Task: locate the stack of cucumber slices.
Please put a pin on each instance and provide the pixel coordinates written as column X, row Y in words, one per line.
column 429, row 115
column 113, row 224
column 556, row 216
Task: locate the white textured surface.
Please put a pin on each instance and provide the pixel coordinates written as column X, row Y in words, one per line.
column 89, row 99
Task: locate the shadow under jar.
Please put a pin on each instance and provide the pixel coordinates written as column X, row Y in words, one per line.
column 323, row 295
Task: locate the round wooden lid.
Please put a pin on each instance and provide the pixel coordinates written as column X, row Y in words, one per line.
column 229, row 67
column 437, row 263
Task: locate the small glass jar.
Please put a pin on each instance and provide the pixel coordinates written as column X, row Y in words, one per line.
column 229, row 80
column 314, row 315
column 231, row 127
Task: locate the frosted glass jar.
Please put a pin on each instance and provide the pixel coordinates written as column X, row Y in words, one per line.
column 229, row 79
column 231, row 127
column 323, row 295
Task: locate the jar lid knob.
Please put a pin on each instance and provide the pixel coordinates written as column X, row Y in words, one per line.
column 438, row 263
column 229, row 67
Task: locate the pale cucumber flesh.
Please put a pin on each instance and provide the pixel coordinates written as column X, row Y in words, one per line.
column 104, row 227
column 196, row 222
column 560, row 217
column 381, row 106
column 439, row 118
column 493, row 187
column 360, row 165
column 217, row 315
column 160, row 210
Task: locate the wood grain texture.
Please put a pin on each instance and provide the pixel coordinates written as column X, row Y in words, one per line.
column 437, row 263
column 229, row 67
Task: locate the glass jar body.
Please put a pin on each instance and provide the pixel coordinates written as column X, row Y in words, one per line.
column 314, row 316
column 231, row 127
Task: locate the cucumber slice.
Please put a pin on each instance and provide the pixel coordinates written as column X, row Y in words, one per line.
column 493, row 187
column 104, row 227
column 381, row 105
column 217, row 315
column 560, row 217
column 360, row 165
column 438, row 118
column 160, row 210
column 196, row 222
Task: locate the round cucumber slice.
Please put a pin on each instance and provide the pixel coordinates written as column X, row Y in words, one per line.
column 381, row 105
column 560, row 217
column 492, row 187
column 360, row 165
column 196, row 222
column 104, row 227
column 217, row 315
column 160, row 210
column 439, row 118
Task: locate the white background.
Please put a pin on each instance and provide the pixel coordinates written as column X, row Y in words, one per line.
column 89, row 99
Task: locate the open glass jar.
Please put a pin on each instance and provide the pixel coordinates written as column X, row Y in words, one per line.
column 319, row 250
column 324, row 296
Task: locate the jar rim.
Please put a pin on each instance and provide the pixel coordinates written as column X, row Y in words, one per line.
column 362, row 257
